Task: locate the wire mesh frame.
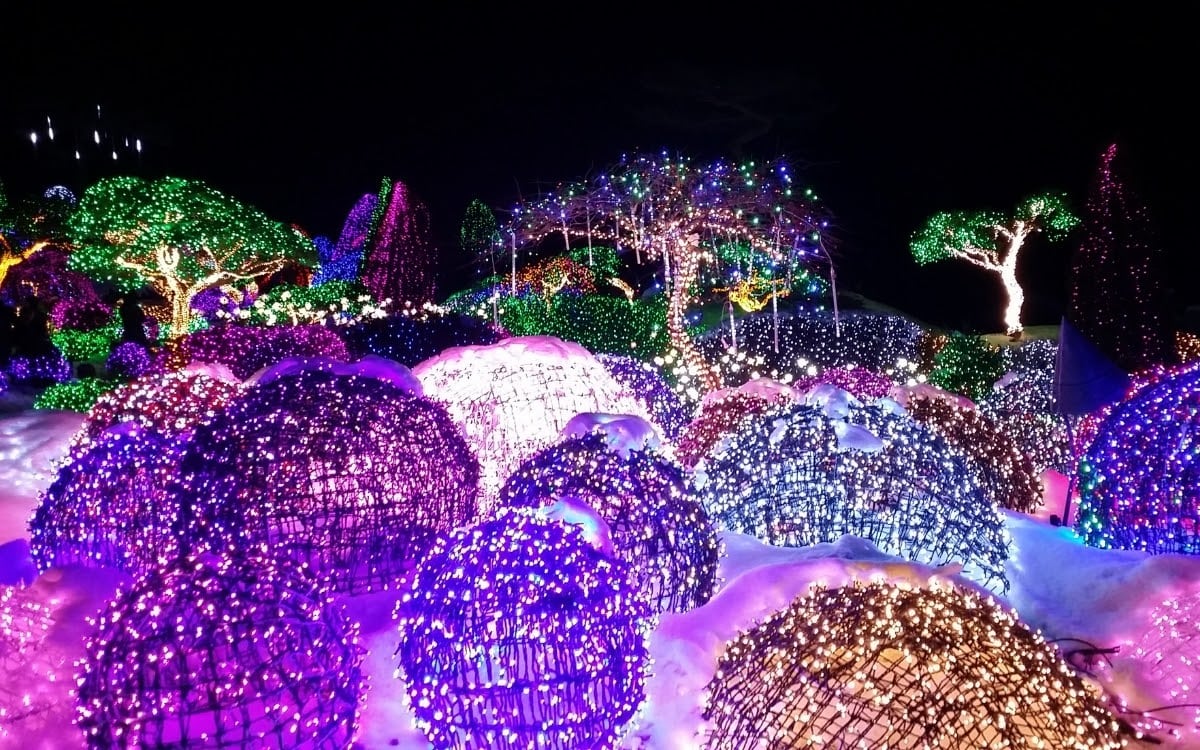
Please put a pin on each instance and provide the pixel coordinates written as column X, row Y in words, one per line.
column 110, row 506
column 1007, row 473
column 517, row 633
column 347, row 474
column 1140, row 480
column 783, row 478
column 236, row 652
column 656, row 520
column 880, row 665
column 28, row 665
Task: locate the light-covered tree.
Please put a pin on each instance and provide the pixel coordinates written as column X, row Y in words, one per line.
column 993, row 241
column 180, row 237
column 672, row 211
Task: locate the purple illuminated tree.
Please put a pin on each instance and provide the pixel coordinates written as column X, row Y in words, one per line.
column 179, row 236
column 1119, row 283
column 400, row 261
column 343, row 261
column 993, row 242
column 673, row 211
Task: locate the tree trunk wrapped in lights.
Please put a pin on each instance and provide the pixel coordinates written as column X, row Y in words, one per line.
column 670, row 211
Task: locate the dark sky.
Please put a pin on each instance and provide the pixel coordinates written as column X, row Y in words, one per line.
column 890, row 113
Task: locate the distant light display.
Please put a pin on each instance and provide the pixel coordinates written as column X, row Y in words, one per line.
column 411, row 339
column 811, row 342
column 1120, row 276
column 860, row 382
column 30, row 667
column 235, row 652
column 74, row 395
column 247, row 349
column 168, row 404
column 109, row 507
column 666, row 408
column 806, row 474
column 514, row 398
column 654, row 516
column 42, row 369
column 348, row 474
column 128, row 361
column 1008, row 475
column 518, row 633
column 1139, row 477
column 888, row 665
column 400, row 261
column 967, row 365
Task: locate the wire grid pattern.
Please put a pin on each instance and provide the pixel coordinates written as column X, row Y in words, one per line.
column 785, row 477
column 222, row 653
column 109, row 506
column 883, row 666
column 346, row 473
column 518, row 633
column 656, row 520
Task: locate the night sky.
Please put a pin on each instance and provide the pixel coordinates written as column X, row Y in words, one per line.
column 889, row 114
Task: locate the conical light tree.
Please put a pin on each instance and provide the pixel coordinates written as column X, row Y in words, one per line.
column 992, row 241
column 178, row 236
column 675, row 212
column 1120, row 275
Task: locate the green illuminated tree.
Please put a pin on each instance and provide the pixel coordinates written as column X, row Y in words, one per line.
column 993, row 242
column 180, row 237
column 479, row 234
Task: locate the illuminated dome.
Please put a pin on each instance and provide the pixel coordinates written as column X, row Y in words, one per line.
column 656, row 522
column 887, row 665
column 1008, row 475
column 109, row 506
column 30, row 666
column 804, row 474
column 169, row 404
column 516, row 607
column 222, row 653
column 247, row 349
column 1140, row 477
column 666, row 407
column 347, row 473
column 515, row 397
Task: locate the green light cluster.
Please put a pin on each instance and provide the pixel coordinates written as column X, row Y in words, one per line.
column 74, row 395
column 598, row 323
column 88, row 346
column 967, row 365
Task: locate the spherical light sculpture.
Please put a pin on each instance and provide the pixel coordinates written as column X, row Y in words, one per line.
column 518, row 633
column 892, row 665
column 109, row 506
column 1140, row 476
column 170, row 404
column 30, row 666
column 1008, row 475
column 247, row 349
column 655, row 519
column 667, row 408
column 810, row 473
column 231, row 652
column 515, row 397
column 346, row 473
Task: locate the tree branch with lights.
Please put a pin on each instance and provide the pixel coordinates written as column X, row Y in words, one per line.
column 994, row 242
column 677, row 213
column 179, row 236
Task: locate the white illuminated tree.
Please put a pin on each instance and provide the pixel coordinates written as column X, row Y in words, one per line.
column 993, row 242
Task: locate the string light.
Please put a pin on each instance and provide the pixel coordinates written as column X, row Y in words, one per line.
column 802, row 474
column 108, row 506
column 247, row 349
column 413, row 338
column 518, row 633
column 648, row 384
column 400, row 261
column 32, row 666
column 1137, row 477
column 895, row 665
column 653, row 514
column 514, row 397
column 348, row 473
column 240, row 651
column 1119, row 276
